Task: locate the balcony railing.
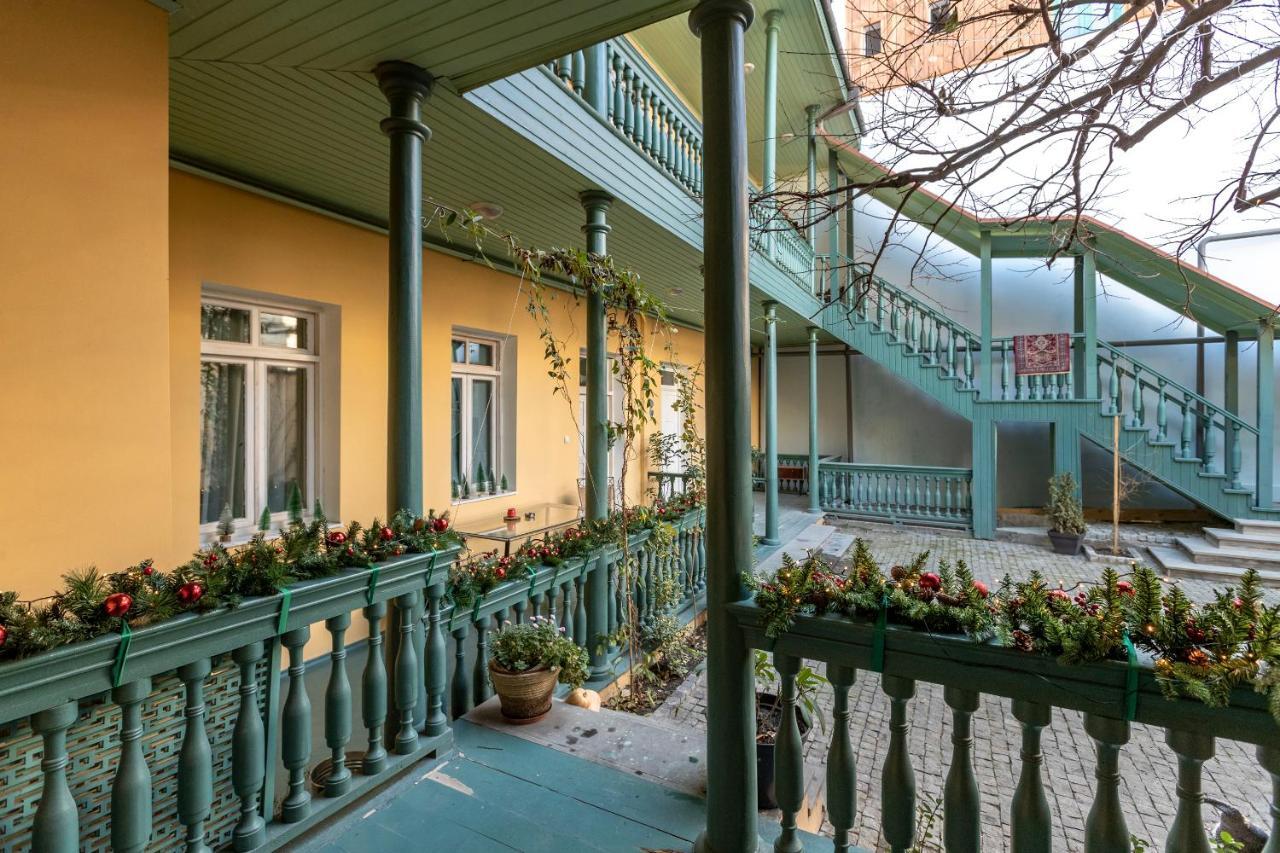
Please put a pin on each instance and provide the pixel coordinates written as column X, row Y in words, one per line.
column 913, row 494
column 175, row 738
column 1107, row 693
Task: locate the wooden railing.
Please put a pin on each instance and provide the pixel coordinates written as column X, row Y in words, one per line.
column 668, row 484
column 216, row 686
column 1051, row 386
column 1034, row 685
column 796, row 464
column 912, row 494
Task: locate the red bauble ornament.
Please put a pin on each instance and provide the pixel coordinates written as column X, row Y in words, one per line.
column 386, row 534
column 4, row 634
column 501, row 573
column 440, row 525
column 1237, row 603
column 1124, row 588
column 117, row 604
column 981, row 588
column 337, row 537
column 930, row 582
column 190, row 593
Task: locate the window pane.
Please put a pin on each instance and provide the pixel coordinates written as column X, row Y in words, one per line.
column 286, row 399
column 480, row 353
column 871, row 40
column 459, row 352
column 220, row 323
column 222, row 440
column 283, row 330
column 456, row 473
column 481, row 426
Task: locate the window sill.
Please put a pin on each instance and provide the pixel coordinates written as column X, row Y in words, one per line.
column 244, row 537
column 481, row 498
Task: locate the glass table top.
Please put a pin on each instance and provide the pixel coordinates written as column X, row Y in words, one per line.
column 527, row 521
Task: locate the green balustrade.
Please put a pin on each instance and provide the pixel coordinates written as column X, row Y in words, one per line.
column 337, row 704
column 435, row 677
column 1187, row 834
column 460, row 688
column 1030, row 824
column 898, row 780
column 131, row 788
column 1104, row 829
column 56, row 827
column 406, row 674
column 788, row 774
column 908, row 494
column 842, row 769
column 296, row 728
column 373, row 693
column 248, row 748
column 195, row 761
column 962, row 811
column 480, row 672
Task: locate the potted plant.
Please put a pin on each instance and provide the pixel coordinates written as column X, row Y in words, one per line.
column 769, row 719
column 526, row 661
column 1066, row 518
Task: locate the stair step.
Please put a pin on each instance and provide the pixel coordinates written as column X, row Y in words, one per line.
column 1224, row 537
column 1252, row 526
column 1201, row 551
column 1175, row 563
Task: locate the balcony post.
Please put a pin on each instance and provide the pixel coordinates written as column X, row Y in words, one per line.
column 815, row 505
column 405, row 87
column 833, row 228
column 1085, row 357
column 771, row 425
column 595, row 90
column 596, row 204
column 770, row 176
column 983, row 488
column 811, row 213
column 985, row 381
column 1264, row 493
column 731, row 789
column 1231, row 402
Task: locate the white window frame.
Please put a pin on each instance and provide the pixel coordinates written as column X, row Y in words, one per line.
column 469, row 374
column 257, row 358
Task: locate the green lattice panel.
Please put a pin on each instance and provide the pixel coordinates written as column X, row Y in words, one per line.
column 93, row 749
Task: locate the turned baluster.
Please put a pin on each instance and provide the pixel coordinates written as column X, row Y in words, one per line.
column 898, row 782
column 480, row 676
column 1188, row 428
column 1004, row 372
column 931, row 342
column 579, row 71
column 373, row 693
column 195, row 761
column 968, row 362
column 564, row 68
column 641, row 594
column 1031, row 826
column 643, row 118
column 580, row 604
column 56, row 826
column 1269, row 758
column 629, row 122
column 1104, row 829
column 615, row 596
column 248, row 752
column 1210, row 448
column 337, row 704
column 1187, row 834
column 1037, row 387
column 1237, row 460
column 702, row 559
column 406, row 675
column 419, row 654
column 131, row 788
column 962, row 819
column 435, row 675
column 842, row 770
column 295, row 728
column 1139, row 397
column 566, row 607
column 519, row 608
column 913, row 328
column 1162, row 412
column 788, row 771
column 1114, row 387
column 617, row 111
column 460, row 692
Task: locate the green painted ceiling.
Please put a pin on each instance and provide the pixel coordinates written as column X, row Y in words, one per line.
column 279, row 96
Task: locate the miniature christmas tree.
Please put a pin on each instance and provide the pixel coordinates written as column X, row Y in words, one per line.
column 317, row 514
column 226, row 523
column 504, row 483
column 264, row 520
column 454, row 491
column 295, row 505
column 480, row 477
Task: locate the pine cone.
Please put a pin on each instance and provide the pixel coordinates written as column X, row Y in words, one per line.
column 1022, row 641
column 898, row 572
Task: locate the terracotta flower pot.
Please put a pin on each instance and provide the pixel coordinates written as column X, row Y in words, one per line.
column 525, row 697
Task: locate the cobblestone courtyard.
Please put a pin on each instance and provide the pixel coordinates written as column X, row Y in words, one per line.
column 1149, row 767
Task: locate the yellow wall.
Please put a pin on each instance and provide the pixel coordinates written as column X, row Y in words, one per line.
column 235, row 239
column 84, row 315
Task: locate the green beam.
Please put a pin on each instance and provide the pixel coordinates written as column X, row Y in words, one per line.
column 1085, row 356
column 1231, row 398
column 731, row 720
column 1266, row 395
column 815, row 506
column 596, row 205
column 405, row 87
column 770, row 369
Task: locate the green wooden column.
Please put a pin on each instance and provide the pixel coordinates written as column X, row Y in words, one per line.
column 815, row 505
column 596, row 205
column 405, row 87
column 731, row 777
column 833, row 228
column 1085, row 354
column 1231, row 402
column 1264, row 494
column 983, row 488
column 770, row 370
column 811, row 123
column 986, row 364
column 769, row 178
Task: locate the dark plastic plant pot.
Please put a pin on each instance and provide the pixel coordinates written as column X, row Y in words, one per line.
column 1066, row 543
column 766, row 795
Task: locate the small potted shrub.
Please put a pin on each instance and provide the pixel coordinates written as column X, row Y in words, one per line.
column 525, row 663
column 1066, row 518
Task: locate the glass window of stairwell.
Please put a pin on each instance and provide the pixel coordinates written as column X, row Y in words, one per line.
column 260, row 366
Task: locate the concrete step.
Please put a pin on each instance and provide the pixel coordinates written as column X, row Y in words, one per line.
column 1201, row 550
column 1175, row 563
column 1253, row 526
column 1224, row 537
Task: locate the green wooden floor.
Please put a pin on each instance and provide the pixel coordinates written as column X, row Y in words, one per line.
column 499, row 792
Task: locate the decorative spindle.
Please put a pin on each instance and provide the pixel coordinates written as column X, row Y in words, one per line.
column 373, row 693
column 295, row 728
column 1210, row 448
column 579, row 71
column 195, row 762
column 1162, row 412
column 962, row 819
column 131, row 789
column 580, row 604
column 1031, row 826
column 788, row 770
column 1114, row 386
column 1139, row 419
column 1237, row 460
column 1188, row 428
column 1187, row 834
column 968, row 362
column 435, row 676
column 898, row 781
column 337, row 704
column 56, row 826
column 406, row 675
column 842, row 770
column 1104, row 829
column 480, row 677
column 248, row 752
column 460, row 690
column 420, row 654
